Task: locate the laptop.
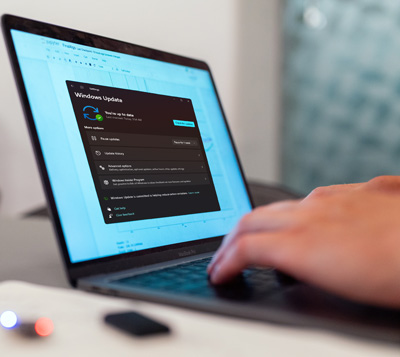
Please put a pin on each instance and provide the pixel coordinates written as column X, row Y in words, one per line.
column 143, row 180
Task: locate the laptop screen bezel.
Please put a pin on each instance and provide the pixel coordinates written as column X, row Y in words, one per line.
column 122, row 261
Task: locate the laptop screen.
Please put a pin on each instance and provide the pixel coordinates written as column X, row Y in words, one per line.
column 136, row 149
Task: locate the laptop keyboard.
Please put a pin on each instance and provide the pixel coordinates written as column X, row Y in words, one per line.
column 192, row 279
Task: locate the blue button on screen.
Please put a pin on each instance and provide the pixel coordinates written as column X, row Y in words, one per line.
column 189, row 124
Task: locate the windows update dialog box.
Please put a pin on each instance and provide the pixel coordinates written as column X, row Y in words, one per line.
column 145, row 153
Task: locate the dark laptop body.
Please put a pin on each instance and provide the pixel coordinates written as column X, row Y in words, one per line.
column 177, row 171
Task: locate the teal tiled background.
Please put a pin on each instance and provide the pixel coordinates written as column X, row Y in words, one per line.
column 341, row 91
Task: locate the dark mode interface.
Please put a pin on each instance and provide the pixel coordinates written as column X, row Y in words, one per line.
column 145, row 153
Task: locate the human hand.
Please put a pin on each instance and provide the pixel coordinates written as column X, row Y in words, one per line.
column 344, row 239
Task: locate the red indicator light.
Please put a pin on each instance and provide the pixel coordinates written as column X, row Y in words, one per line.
column 44, row 327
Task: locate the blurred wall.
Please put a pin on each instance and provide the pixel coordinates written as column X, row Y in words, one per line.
column 341, row 89
column 238, row 38
column 258, row 92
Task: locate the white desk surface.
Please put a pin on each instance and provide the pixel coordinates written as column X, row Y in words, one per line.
column 28, row 252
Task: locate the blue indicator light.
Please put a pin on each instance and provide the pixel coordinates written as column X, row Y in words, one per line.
column 188, row 124
column 8, row 319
